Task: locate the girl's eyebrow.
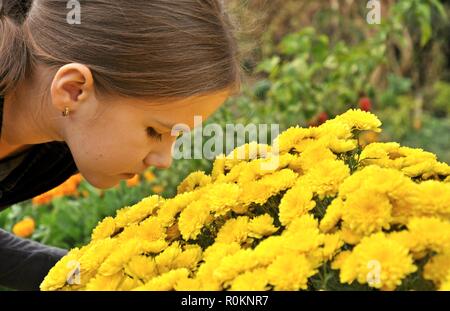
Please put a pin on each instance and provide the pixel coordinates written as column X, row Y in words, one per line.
column 163, row 125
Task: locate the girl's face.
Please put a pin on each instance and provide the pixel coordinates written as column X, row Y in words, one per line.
column 126, row 136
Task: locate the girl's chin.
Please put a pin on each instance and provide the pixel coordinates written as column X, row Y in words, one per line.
column 104, row 183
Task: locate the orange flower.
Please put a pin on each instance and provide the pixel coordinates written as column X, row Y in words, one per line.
column 133, row 181
column 69, row 187
column 149, row 176
column 24, row 228
column 157, row 189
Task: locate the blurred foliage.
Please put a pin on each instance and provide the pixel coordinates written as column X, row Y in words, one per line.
column 309, row 76
column 417, row 30
column 439, row 99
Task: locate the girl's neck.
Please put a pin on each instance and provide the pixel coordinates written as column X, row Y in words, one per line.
column 8, row 150
column 28, row 116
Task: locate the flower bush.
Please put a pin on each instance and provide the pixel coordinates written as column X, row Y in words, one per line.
column 330, row 215
column 69, row 187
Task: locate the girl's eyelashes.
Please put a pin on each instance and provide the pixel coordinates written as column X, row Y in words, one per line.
column 151, row 132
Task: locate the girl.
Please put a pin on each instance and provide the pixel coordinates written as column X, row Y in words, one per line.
column 99, row 95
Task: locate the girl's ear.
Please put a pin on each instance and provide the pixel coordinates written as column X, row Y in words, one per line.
column 72, row 84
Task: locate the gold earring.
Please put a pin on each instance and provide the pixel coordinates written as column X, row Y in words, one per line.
column 66, row 111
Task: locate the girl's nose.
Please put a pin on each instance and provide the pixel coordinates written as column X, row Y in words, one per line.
column 163, row 162
column 161, row 159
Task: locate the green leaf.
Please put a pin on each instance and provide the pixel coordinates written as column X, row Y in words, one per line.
column 269, row 65
column 440, row 8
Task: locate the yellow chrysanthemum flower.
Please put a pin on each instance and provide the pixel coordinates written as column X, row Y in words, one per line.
column 331, row 244
column 247, row 152
column 349, row 236
column 412, row 162
column 106, row 282
column 194, row 180
column 437, row 268
column 171, row 207
column 432, row 199
column 332, row 216
column 104, row 229
column 303, row 235
column 359, row 120
column 379, row 262
column 62, row 271
column 137, row 212
column 291, row 138
column 445, row 286
column 290, row 272
column 296, row 202
column 189, row 258
column 234, row 230
column 166, row 281
column 315, row 153
column 340, row 259
column 261, row 226
column 365, row 211
column 261, row 190
column 165, row 261
column 141, row 267
column 255, row 280
column 128, row 249
column 221, row 197
column 430, row 233
column 235, row 264
column 325, row 178
column 193, row 218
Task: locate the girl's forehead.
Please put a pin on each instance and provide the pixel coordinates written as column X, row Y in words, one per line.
column 186, row 111
column 201, row 103
column 209, row 98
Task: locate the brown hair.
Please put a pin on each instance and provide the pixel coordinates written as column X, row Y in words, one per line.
column 143, row 48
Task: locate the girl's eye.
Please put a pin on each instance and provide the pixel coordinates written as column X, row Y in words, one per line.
column 153, row 133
